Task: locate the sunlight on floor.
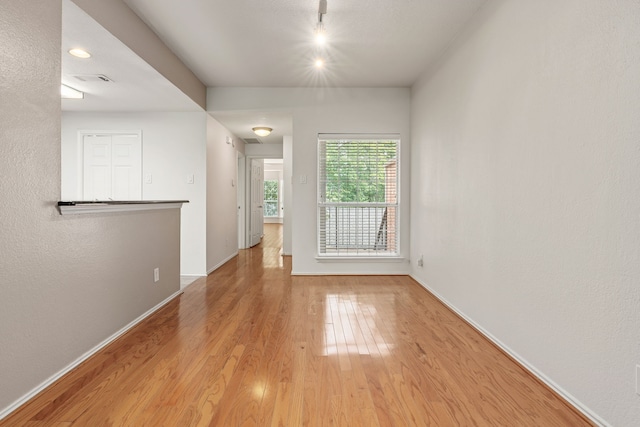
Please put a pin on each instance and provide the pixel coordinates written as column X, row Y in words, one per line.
column 352, row 326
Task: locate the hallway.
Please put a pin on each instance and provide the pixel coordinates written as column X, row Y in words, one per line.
column 252, row 345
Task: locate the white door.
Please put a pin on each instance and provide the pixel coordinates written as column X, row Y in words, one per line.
column 97, row 167
column 112, row 167
column 257, row 201
column 126, row 167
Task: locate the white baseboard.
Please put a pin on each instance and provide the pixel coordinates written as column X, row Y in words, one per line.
column 193, row 275
column 342, row 273
column 523, row 362
column 55, row 377
column 221, row 263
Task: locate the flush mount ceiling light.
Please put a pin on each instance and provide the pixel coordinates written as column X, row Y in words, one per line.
column 79, row 53
column 319, row 63
column 261, row 130
column 67, row 92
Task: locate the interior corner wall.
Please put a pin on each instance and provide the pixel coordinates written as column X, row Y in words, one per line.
column 525, row 183
column 222, row 203
column 287, row 165
column 173, row 147
column 329, row 110
column 68, row 282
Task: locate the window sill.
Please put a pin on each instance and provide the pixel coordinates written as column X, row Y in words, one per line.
column 360, row 259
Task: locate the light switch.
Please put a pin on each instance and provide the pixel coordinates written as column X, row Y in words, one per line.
column 303, row 179
column 148, row 178
column 190, row 179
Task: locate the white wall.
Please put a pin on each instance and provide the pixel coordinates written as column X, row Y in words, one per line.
column 173, row 147
column 222, row 212
column 328, row 110
column 287, row 165
column 273, row 151
column 525, row 184
column 68, row 283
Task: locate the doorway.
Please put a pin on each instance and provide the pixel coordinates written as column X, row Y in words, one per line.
column 253, row 209
column 256, row 203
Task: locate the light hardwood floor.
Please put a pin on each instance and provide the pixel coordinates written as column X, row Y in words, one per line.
column 252, row 346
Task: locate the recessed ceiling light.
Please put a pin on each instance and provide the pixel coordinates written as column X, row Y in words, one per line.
column 319, row 63
column 261, row 130
column 67, row 92
column 79, row 53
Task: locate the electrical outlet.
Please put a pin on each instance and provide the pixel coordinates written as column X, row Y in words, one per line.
column 156, row 274
column 637, row 379
column 420, row 261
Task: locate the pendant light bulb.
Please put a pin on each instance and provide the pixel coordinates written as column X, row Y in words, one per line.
column 321, row 35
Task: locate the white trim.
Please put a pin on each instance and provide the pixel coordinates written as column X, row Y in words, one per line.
column 55, row 377
column 221, row 263
column 342, row 273
column 324, row 137
column 80, row 154
column 522, row 361
column 91, row 208
column 369, row 258
column 193, row 275
column 364, row 136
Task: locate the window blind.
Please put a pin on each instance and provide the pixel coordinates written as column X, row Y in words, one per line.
column 358, row 195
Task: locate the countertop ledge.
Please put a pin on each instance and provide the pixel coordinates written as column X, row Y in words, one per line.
column 75, row 207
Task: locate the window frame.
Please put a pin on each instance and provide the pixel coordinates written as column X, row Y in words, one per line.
column 373, row 255
column 277, row 200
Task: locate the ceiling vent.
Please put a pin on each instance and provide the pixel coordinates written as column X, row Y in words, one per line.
column 252, row 141
column 100, row 78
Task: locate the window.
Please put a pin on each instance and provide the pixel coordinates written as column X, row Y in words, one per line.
column 271, row 198
column 358, row 195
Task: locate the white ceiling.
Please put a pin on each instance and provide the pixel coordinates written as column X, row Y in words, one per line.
column 373, row 43
column 136, row 85
column 253, row 43
column 241, row 122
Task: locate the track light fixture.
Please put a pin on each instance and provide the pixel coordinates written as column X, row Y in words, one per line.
column 322, row 9
column 321, row 35
column 320, row 32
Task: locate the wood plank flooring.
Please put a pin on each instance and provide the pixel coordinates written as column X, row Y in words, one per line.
column 252, row 346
